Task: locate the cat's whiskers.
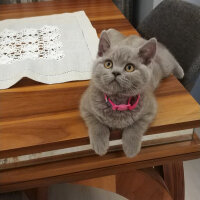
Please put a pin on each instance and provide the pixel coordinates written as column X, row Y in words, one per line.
column 124, row 82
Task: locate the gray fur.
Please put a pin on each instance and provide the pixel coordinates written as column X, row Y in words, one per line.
column 176, row 24
column 152, row 62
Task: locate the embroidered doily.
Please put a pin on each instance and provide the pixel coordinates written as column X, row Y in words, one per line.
column 30, row 43
column 49, row 49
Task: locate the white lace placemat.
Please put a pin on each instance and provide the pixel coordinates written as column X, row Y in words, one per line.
column 49, row 49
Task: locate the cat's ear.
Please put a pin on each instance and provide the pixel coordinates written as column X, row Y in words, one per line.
column 148, row 51
column 104, row 43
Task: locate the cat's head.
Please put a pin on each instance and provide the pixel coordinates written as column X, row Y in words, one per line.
column 123, row 69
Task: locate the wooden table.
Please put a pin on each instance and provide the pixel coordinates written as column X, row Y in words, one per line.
column 38, row 118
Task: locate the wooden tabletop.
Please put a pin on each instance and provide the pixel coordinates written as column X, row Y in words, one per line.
column 102, row 14
column 35, row 117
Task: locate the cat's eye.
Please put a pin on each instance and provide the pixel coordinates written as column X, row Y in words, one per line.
column 108, row 64
column 129, row 67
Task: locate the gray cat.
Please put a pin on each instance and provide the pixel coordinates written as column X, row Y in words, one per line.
column 125, row 67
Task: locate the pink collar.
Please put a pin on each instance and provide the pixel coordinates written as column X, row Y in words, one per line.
column 123, row 107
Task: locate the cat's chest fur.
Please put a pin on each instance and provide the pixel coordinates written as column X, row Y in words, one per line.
column 113, row 118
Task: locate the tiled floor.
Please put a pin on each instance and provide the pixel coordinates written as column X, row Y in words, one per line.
column 192, row 179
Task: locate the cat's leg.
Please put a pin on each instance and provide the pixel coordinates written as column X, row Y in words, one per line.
column 99, row 137
column 98, row 133
column 132, row 136
column 178, row 71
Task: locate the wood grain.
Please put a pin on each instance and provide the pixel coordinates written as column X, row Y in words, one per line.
column 106, row 182
column 48, row 131
column 45, row 117
column 35, row 117
column 40, row 193
column 141, row 185
column 96, row 166
column 174, row 178
column 35, row 100
column 103, row 14
column 82, row 151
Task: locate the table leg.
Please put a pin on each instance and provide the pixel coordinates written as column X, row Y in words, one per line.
column 106, row 182
column 40, row 193
column 173, row 174
column 142, row 184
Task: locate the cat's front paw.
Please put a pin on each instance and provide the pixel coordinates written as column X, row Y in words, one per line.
column 131, row 151
column 99, row 139
column 131, row 143
column 100, row 147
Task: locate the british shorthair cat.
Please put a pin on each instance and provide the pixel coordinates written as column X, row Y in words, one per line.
column 120, row 95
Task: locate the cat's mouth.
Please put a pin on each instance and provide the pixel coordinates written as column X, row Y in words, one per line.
column 114, row 81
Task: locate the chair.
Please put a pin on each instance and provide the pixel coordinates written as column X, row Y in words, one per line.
column 176, row 24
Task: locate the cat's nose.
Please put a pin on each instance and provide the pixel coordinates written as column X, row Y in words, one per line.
column 116, row 73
